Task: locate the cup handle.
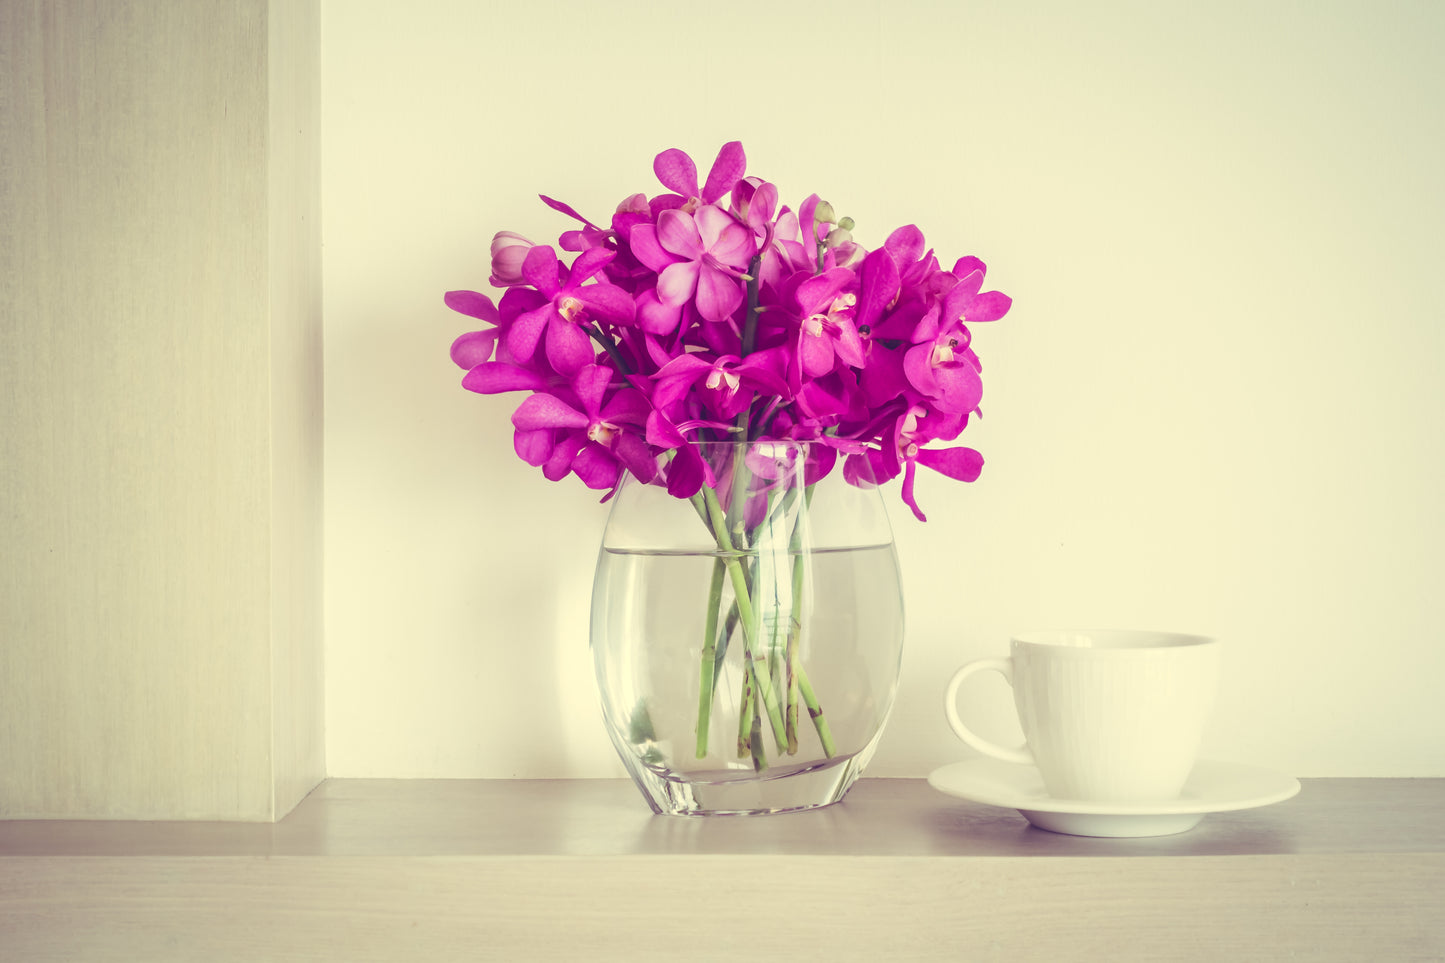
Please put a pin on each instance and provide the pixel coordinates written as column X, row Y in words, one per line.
column 1003, row 667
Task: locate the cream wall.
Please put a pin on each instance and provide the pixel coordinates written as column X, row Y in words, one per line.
column 1215, row 406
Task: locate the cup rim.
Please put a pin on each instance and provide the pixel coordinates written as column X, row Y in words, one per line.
column 1094, row 641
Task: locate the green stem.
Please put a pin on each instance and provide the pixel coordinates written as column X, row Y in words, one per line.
column 755, row 742
column 748, row 618
column 747, row 714
column 610, row 347
column 708, row 668
column 825, row 733
column 815, row 711
column 750, row 323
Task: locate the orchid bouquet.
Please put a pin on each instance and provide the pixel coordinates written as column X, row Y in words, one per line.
column 714, row 312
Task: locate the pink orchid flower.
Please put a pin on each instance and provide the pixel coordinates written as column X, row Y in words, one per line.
column 595, row 442
column 827, row 335
column 942, row 366
column 906, row 453
column 564, row 304
column 728, row 383
column 698, row 256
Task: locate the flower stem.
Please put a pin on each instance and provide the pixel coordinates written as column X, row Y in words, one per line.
column 746, row 615
column 800, row 677
column 708, row 668
column 825, row 733
column 610, row 347
column 750, row 324
column 747, row 716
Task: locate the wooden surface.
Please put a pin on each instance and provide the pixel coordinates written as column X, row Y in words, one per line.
column 1351, row 869
column 160, row 378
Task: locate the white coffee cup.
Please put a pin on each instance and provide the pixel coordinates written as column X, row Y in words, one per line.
column 1114, row 716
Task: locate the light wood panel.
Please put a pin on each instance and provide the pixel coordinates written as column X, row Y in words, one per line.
column 160, row 376
column 375, row 870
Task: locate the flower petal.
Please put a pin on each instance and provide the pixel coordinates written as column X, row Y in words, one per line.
column 766, row 369
column 474, row 347
column 568, row 348
column 883, row 378
column 718, row 294
column 966, row 266
column 608, row 302
column 542, row 410
column 628, row 407
column 588, row 263
column 808, row 225
column 963, row 464
column 877, row 288
column 596, row 466
column 848, row 345
column 726, row 171
column 815, row 351
column 734, row 244
column 526, row 331
column 909, row 471
column 960, row 388
column 590, row 382
column 918, row 369
column 473, row 305
column 905, row 245
column 686, row 472
column 676, row 171
column 540, row 269
column 678, row 232
column 663, row 434
column 988, row 306
column 654, row 317
column 495, row 377
column 817, row 292
column 533, row 447
column 559, row 463
column 643, row 241
column 564, row 209
column 635, row 456
column 676, row 285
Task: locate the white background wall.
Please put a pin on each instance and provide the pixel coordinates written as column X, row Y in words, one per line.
column 1215, row 407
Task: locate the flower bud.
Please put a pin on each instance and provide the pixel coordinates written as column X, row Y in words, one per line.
column 824, row 213
column 839, row 236
column 846, row 224
column 634, row 204
column 509, row 250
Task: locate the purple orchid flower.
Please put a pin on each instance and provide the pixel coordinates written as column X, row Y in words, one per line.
column 728, row 382
column 697, row 257
column 563, row 303
column 595, row 442
column 905, row 453
column 942, row 365
column 827, row 334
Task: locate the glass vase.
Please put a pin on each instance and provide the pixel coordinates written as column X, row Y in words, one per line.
column 747, row 639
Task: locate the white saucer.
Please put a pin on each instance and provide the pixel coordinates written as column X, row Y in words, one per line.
column 1213, row 787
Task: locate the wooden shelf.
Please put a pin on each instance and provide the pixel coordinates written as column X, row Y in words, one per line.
column 443, row 869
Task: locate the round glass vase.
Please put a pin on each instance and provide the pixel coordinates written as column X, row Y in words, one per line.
column 747, row 639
